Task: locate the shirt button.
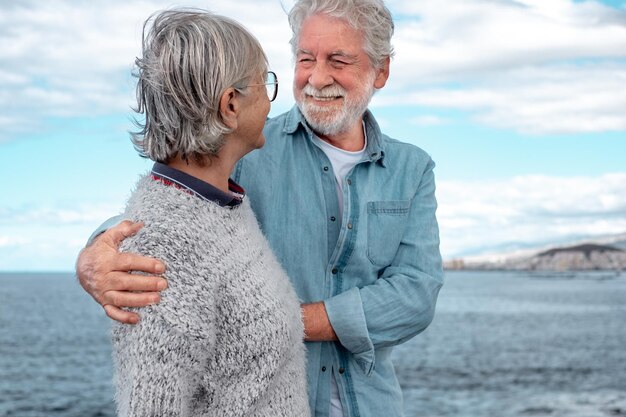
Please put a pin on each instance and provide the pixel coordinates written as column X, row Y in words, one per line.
column 334, row 271
column 349, row 181
column 323, row 369
column 350, row 226
column 325, row 168
column 341, row 370
column 332, row 218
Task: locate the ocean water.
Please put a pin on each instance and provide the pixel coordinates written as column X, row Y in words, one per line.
column 501, row 344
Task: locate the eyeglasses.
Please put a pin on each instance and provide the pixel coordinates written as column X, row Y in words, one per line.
column 271, row 84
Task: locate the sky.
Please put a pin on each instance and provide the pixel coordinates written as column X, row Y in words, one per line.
column 522, row 105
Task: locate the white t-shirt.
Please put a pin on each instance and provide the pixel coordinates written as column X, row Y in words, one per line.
column 342, row 162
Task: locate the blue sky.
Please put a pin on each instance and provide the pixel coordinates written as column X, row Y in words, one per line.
column 522, row 104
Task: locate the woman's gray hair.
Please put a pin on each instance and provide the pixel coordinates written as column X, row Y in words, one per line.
column 190, row 57
column 369, row 16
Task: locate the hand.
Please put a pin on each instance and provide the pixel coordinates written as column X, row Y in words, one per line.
column 103, row 272
column 317, row 326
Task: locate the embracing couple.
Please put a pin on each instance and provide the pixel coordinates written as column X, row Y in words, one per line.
column 217, row 316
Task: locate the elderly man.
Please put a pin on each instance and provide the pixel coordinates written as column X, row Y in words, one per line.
column 349, row 212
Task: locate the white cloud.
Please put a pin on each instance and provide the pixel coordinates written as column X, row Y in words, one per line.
column 528, row 209
column 76, row 214
column 512, row 64
column 68, row 59
column 538, row 67
column 10, row 241
column 428, row 120
column 48, row 237
column 467, row 37
column 538, row 100
column 51, row 248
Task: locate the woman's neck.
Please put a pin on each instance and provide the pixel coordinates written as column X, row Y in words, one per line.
column 215, row 170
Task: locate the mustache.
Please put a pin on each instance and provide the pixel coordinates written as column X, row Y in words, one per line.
column 333, row 90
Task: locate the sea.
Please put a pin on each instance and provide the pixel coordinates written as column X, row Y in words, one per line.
column 502, row 344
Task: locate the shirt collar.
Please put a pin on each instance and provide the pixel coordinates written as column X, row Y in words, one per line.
column 204, row 190
column 375, row 149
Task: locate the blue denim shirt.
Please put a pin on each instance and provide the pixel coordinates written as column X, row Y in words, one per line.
column 377, row 269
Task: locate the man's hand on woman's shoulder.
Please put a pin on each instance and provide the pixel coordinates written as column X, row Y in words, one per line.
column 103, row 271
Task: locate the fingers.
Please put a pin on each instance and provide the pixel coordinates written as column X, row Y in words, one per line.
column 120, row 315
column 122, row 281
column 129, row 299
column 133, row 262
column 121, row 231
column 103, row 272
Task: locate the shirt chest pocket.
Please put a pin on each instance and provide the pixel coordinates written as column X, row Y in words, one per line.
column 386, row 221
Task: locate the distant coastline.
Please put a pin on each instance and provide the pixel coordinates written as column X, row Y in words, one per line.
column 605, row 254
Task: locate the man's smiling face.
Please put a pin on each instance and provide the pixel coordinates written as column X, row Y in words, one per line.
column 334, row 77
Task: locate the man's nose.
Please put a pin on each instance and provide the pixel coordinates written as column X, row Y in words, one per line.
column 320, row 76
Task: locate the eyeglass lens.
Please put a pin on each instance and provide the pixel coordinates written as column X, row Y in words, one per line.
column 271, row 85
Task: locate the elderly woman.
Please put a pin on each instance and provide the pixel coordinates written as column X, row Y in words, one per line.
column 226, row 338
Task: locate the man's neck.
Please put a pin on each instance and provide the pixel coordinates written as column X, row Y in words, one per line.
column 352, row 140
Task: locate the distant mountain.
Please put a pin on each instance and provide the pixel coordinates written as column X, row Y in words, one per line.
column 586, row 249
column 596, row 253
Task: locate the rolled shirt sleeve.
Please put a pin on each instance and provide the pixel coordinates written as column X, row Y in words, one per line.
column 347, row 316
column 109, row 223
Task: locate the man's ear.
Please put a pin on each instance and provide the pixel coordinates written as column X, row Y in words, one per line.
column 229, row 108
column 382, row 75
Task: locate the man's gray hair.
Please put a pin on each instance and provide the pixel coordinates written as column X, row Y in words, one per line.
column 189, row 58
column 370, row 16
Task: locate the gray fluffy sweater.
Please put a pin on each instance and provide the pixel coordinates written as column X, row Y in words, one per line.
column 226, row 338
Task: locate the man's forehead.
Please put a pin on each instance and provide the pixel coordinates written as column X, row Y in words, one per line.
column 344, row 41
column 328, row 30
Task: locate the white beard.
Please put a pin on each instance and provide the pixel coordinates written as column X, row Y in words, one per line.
column 329, row 120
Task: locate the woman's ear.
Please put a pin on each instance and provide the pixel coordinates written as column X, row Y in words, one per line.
column 230, row 107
